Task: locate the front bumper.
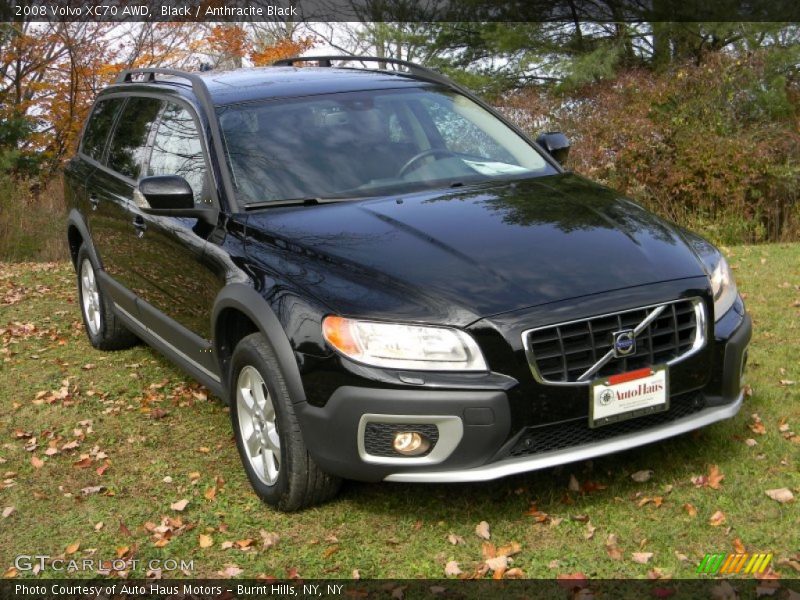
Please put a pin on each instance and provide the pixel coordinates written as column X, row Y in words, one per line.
column 478, row 439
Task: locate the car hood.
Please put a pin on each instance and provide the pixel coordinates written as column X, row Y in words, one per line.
column 468, row 253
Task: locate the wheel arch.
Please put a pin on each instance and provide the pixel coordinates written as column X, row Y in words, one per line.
column 77, row 235
column 239, row 311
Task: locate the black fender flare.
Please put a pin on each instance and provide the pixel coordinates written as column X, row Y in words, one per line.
column 246, row 300
column 75, row 219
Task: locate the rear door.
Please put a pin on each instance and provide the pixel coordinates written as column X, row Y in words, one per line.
column 91, row 154
column 114, row 220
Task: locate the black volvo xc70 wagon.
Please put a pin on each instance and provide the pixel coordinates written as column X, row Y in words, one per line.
column 386, row 280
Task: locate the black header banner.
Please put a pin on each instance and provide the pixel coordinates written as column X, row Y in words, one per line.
column 631, row 11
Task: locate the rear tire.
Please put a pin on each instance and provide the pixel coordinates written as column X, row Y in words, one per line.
column 268, row 436
column 103, row 328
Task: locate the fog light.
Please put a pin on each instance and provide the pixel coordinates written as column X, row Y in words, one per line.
column 410, row 443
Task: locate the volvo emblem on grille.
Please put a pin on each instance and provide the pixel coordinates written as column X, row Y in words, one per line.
column 624, row 343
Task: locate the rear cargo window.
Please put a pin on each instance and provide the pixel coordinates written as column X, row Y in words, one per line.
column 98, row 127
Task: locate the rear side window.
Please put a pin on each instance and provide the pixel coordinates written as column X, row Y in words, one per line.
column 177, row 149
column 99, row 126
column 129, row 141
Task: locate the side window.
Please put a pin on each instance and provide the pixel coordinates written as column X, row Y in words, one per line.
column 177, row 149
column 129, row 142
column 99, row 126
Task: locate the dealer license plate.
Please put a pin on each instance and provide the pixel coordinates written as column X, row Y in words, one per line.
column 628, row 395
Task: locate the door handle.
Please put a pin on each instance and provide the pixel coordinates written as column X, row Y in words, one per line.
column 139, row 225
column 94, row 201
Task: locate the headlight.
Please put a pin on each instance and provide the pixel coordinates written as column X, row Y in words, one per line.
column 398, row 346
column 723, row 287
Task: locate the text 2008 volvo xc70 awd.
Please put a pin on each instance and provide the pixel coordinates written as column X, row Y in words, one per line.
column 388, row 281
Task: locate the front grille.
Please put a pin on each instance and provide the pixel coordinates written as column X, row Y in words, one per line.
column 561, row 353
column 378, row 437
column 547, row 438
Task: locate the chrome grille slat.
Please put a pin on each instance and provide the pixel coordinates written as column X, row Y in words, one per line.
column 576, row 352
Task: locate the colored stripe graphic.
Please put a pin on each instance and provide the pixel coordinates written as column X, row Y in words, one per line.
column 734, row 563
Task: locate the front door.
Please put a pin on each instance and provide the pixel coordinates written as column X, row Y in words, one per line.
column 176, row 289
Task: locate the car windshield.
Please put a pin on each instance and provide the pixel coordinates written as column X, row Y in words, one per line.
column 367, row 143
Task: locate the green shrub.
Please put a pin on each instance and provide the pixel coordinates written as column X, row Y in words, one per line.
column 32, row 220
column 713, row 146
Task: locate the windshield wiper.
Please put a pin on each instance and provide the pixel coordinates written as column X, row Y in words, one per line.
column 314, row 201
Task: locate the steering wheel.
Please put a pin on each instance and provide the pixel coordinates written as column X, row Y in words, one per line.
column 418, row 157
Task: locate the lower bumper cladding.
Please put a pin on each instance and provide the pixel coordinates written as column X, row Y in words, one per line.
column 513, row 466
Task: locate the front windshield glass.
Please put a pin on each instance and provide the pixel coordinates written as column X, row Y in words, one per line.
column 360, row 144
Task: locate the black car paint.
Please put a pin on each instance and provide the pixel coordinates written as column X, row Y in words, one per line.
column 491, row 258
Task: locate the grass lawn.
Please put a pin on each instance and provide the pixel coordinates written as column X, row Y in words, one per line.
column 73, row 419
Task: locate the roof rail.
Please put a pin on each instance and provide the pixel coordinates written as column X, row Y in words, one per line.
column 413, row 68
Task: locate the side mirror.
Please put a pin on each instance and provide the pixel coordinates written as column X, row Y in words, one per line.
column 171, row 196
column 556, row 144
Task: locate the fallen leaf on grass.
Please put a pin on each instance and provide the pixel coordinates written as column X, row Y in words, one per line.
column 782, row 495
column 180, row 505
column 210, row 493
column 793, row 562
column 642, row 476
column 515, row 573
column 269, row 539
column 99, row 525
column 158, row 413
column 230, row 571
column 612, row 547
column 712, row 480
column 717, row 519
column 571, row 581
column 37, row 462
column 590, row 529
column 750, row 442
column 8, row 511
column 573, row 486
column 455, row 539
column 72, row 548
column 205, row 541
column 715, row 477
column 757, row 426
column 497, row 565
column 509, row 549
column 689, row 508
column 482, row 530
column 451, row 569
column 10, row 573
column 642, row 557
column 738, row 546
column 94, row 489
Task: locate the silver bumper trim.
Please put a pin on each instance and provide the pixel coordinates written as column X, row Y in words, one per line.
column 559, row 457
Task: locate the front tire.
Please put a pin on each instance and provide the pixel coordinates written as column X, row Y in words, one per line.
column 103, row 328
column 268, row 436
